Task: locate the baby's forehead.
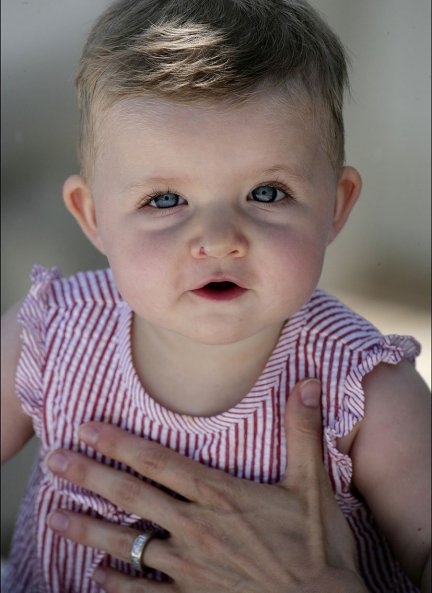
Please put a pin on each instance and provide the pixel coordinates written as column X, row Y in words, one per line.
column 272, row 109
column 263, row 132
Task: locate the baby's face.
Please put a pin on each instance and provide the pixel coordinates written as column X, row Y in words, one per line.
column 215, row 219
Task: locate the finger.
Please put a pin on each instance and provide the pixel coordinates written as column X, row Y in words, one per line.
column 112, row 581
column 116, row 540
column 303, row 435
column 127, row 492
column 169, row 468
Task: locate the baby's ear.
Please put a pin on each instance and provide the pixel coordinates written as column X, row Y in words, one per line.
column 79, row 201
column 347, row 191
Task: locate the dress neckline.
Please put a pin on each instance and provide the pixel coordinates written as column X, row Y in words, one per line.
column 246, row 407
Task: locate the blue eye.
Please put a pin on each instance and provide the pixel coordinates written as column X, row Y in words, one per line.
column 168, row 200
column 267, row 193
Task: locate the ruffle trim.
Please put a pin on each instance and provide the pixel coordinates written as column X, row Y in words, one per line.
column 31, row 365
column 390, row 349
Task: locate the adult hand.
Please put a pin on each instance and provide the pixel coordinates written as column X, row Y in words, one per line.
column 234, row 535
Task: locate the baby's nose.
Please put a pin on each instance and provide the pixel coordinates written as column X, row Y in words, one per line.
column 220, row 239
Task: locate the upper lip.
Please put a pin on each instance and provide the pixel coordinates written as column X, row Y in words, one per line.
column 219, row 278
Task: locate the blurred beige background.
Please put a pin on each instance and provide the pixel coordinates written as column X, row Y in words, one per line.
column 380, row 264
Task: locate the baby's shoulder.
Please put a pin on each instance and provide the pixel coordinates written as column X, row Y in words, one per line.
column 53, row 291
column 329, row 319
column 336, row 336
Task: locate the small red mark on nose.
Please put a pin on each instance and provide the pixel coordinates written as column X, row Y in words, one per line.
column 202, row 251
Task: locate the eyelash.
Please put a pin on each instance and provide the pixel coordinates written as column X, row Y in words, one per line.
column 156, row 193
column 289, row 195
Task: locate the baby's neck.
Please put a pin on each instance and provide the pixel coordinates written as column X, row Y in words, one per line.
column 198, row 379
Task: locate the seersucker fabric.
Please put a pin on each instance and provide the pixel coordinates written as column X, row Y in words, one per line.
column 76, row 365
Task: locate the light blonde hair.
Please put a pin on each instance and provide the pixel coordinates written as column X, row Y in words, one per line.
column 211, row 50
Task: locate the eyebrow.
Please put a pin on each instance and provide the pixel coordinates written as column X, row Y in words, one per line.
column 158, row 180
column 290, row 171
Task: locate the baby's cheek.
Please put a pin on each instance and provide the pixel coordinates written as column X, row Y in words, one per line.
column 138, row 268
column 296, row 264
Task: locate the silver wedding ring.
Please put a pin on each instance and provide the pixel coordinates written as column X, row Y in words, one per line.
column 138, row 547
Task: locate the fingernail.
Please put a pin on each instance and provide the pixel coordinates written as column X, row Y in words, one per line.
column 89, row 433
column 99, row 576
column 310, row 392
column 57, row 462
column 58, row 521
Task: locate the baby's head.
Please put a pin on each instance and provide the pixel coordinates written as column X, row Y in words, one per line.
column 195, row 51
column 212, row 152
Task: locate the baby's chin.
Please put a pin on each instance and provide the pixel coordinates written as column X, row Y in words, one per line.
column 217, row 335
column 198, row 332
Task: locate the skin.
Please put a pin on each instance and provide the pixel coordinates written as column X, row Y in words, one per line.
column 214, row 156
column 274, row 250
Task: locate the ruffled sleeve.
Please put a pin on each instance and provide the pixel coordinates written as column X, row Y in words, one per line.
column 350, row 401
column 33, row 319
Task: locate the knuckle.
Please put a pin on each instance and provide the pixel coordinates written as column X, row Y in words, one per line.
column 308, row 431
column 221, row 499
column 79, row 529
column 302, row 504
column 127, row 491
column 122, row 546
column 149, row 460
column 195, row 529
column 110, row 445
column 177, row 562
column 190, row 571
column 215, row 494
column 202, row 488
column 204, row 532
column 183, row 517
column 78, row 472
column 183, row 566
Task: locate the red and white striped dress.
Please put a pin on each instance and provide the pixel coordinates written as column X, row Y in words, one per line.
column 76, row 366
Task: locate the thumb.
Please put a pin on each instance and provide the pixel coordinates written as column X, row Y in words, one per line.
column 303, row 429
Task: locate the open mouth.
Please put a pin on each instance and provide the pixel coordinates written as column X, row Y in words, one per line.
column 220, row 291
column 220, row 286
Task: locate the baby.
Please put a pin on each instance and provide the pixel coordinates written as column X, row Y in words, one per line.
column 213, row 179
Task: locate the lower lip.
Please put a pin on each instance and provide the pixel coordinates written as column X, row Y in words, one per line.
column 220, row 295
